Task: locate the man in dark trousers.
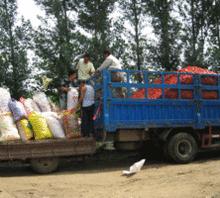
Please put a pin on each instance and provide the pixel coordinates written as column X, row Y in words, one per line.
column 87, row 103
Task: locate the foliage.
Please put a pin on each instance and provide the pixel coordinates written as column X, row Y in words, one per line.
column 154, row 35
column 93, row 17
column 14, row 45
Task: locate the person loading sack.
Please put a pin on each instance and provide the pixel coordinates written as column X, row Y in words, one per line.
column 87, row 103
column 112, row 63
column 65, row 86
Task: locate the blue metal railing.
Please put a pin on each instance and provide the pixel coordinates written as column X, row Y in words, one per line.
column 147, row 82
column 194, row 112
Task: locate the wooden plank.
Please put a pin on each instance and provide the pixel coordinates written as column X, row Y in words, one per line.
column 47, row 148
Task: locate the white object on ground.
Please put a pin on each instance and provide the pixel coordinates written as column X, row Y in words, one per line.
column 72, row 98
column 136, row 167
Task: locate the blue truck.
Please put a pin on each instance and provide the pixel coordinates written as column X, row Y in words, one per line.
column 181, row 125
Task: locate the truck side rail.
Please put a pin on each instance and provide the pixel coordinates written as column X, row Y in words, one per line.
column 182, row 100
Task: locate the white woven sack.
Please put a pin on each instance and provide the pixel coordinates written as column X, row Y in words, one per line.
column 5, row 98
column 54, row 124
column 42, row 101
column 8, row 130
column 72, row 98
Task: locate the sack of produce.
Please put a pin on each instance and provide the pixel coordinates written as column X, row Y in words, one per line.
column 72, row 98
column 25, row 129
column 8, row 130
column 5, row 98
column 29, row 105
column 39, row 125
column 54, row 107
column 71, row 125
column 54, row 124
column 17, row 109
column 42, row 101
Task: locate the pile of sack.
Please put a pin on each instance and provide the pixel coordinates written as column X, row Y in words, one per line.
column 156, row 93
column 35, row 119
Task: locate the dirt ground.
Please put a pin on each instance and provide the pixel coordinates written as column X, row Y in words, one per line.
column 101, row 177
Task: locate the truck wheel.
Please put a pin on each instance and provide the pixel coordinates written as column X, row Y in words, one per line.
column 165, row 153
column 182, row 148
column 45, row 165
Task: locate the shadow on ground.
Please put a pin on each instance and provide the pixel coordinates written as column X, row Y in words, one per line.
column 105, row 161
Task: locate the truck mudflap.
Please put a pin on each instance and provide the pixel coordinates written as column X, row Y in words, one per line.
column 47, row 149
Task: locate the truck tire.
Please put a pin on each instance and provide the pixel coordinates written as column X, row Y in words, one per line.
column 44, row 165
column 182, row 148
column 165, row 153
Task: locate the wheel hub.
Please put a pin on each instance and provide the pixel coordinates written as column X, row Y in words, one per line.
column 184, row 148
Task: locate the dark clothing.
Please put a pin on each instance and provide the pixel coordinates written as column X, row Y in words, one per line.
column 67, row 83
column 87, row 125
column 63, row 95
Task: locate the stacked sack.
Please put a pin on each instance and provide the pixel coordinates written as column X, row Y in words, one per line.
column 45, row 123
column 33, row 119
column 8, row 129
column 61, row 124
column 20, row 118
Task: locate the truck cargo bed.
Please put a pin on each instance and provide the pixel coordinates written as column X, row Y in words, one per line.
column 192, row 100
column 47, row 148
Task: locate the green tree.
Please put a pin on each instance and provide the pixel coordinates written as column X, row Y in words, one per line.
column 14, row 44
column 94, row 19
column 166, row 52
column 56, row 41
column 119, row 45
column 195, row 14
column 133, row 12
column 213, row 52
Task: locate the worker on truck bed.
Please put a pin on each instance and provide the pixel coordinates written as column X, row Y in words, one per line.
column 85, row 68
column 112, row 63
column 87, row 103
column 65, row 86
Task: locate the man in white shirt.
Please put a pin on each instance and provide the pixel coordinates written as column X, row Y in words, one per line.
column 85, row 68
column 112, row 63
column 87, row 103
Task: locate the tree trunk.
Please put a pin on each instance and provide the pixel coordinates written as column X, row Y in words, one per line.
column 217, row 20
column 193, row 57
column 218, row 33
column 66, row 21
column 137, row 39
column 165, row 45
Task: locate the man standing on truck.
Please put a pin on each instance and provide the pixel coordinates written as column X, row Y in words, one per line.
column 85, row 68
column 87, row 103
column 112, row 63
column 65, row 86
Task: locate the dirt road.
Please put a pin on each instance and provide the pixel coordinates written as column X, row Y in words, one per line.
column 102, row 178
